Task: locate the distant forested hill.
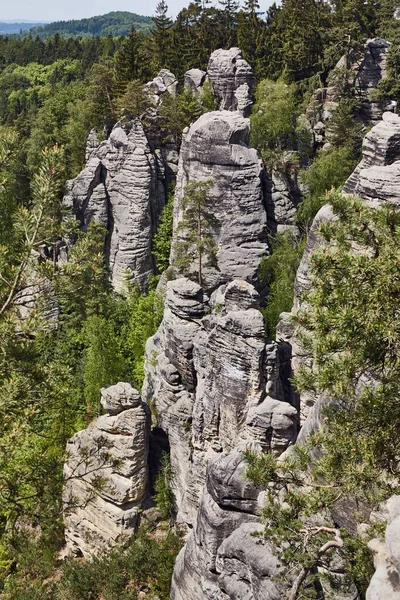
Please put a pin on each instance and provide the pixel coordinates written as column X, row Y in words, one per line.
column 113, row 23
column 12, row 28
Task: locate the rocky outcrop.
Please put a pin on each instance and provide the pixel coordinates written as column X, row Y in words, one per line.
column 283, row 195
column 385, row 584
column 232, row 80
column 376, row 177
column 223, row 557
column 194, row 79
column 215, row 149
column 106, row 474
column 165, row 81
column 360, row 70
column 122, row 187
column 217, row 386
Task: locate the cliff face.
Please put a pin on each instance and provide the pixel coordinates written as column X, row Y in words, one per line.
column 122, row 187
column 216, row 385
column 215, row 149
column 106, row 474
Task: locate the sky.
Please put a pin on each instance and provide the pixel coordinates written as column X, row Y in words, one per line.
column 60, row 10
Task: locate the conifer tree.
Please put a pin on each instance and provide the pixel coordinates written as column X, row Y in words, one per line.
column 126, row 62
column 229, row 17
column 161, row 35
column 197, row 226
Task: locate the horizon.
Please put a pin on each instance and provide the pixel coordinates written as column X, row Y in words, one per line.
column 26, row 11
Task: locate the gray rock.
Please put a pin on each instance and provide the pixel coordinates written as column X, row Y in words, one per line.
column 216, row 149
column 122, row 187
column 195, row 571
column 385, row 583
column 283, row 194
column 228, row 71
column 248, row 567
column 376, row 175
column 106, row 474
column 362, row 70
column 165, row 81
column 215, row 383
column 194, row 79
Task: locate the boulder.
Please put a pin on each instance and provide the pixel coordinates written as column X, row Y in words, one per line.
column 105, row 474
column 165, row 81
column 194, row 79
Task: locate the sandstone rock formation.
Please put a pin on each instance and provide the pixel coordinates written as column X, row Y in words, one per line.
column 385, row 584
column 360, row 70
column 283, row 195
column 375, row 178
column 106, row 474
column 122, row 187
column 232, row 80
column 194, row 80
column 165, row 81
column 215, row 149
column 217, row 386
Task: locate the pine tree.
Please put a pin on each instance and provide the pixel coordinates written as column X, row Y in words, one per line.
column 161, row 35
column 126, row 62
column 197, row 226
column 229, row 20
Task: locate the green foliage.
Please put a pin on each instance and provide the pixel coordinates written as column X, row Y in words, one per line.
column 352, row 334
column 113, row 23
column 104, row 364
column 180, row 111
column 139, row 316
column 163, row 496
column 347, row 325
column 163, row 238
column 274, row 121
column 146, row 563
column 279, row 270
column 197, row 227
column 330, row 169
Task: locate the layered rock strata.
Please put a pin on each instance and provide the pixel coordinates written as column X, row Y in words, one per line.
column 376, row 177
column 217, row 385
column 106, row 474
column 122, row 187
column 215, row 149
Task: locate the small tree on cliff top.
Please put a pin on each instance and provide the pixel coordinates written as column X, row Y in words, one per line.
column 197, row 225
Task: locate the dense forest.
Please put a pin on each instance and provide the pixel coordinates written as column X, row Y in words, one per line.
column 16, row 28
column 58, row 83
column 114, row 23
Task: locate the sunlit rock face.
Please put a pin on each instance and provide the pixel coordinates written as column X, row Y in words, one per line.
column 122, row 187
column 215, row 149
column 106, row 474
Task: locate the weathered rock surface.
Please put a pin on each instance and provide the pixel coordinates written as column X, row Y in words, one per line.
column 122, row 187
column 385, row 584
column 165, row 81
column 283, row 195
column 360, row 70
column 194, row 79
column 216, row 149
column 218, row 388
column 232, row 80
column 106, row 474
column 376, row 177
